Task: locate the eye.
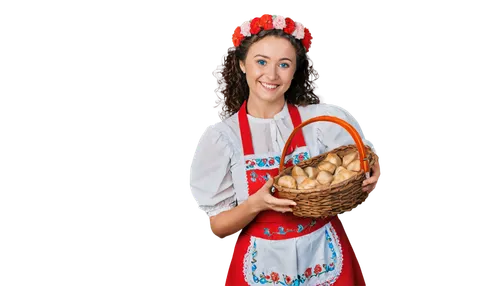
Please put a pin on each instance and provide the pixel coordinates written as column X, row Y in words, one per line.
column 261, row 62
column 284, row 65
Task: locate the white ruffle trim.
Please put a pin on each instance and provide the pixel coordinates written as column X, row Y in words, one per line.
column 224, row 205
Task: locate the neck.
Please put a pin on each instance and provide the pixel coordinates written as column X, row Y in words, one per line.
column 264, row 109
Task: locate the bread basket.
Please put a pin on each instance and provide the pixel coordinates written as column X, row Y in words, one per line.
column 328, row 200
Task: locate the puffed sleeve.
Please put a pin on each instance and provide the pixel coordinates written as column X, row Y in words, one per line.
column 211, row 178
column 331, row 135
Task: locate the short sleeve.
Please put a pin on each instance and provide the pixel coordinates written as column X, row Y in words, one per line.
column 331, row 135
column 211, row 178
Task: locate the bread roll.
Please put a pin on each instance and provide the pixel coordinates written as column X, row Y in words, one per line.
column 324, row 177
column 326, row 166
column 311, row 172
column 297, row 171
column 299, row 179
column 334, row 159
column 308, row 183
column 336, row 179
column 287, row 182
column 347, row 174
column 354, row 165
column 342, row 176
column 339, row 170
column 348, row 158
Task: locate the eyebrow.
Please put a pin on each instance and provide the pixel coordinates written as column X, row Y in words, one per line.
column 266, row 57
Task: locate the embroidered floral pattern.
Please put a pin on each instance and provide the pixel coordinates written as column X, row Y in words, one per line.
column 330, row 245
column 297, row 158
column 316, row 271
column 262, row 178
column 272, row 162
column 262, row 162
column 282, row 231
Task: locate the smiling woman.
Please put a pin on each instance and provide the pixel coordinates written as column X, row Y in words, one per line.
column 267, row 87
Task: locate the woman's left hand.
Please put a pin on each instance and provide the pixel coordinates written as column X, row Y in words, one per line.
column 370, row 183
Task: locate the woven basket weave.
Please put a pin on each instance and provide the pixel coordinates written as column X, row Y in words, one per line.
column 326, row 201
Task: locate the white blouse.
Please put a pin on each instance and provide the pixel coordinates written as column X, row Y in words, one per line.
column 218, row 177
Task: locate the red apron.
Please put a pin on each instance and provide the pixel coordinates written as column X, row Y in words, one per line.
column 282, row 249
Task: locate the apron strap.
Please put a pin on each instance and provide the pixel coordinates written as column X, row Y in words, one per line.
column 246, row 135
column 298, row 139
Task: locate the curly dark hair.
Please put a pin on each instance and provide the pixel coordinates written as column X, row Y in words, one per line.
column 233, row 85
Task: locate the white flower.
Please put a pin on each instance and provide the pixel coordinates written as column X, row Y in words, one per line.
column 245, row 29
column 279, row 22
column 299, row 31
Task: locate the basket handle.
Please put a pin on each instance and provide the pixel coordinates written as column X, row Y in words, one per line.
column 352, row 131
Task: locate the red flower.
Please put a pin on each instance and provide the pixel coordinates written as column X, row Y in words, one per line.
column 268, row 277
column 306, row 41
column 317, row 269
column 275, row 277
column 290, row 26
column 255, row 24
column 237, row 36
column 271, row 161
column 266, row 20
column 261, row 21
column 308, row 272
column 288, row 280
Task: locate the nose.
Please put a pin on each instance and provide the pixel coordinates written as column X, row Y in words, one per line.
column 272, row 72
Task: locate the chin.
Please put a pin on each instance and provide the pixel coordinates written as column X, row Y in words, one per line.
column 271, row 98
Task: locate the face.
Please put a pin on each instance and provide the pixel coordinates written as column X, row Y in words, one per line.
column 269, row 68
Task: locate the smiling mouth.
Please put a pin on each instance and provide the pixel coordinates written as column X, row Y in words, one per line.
column 269, row 86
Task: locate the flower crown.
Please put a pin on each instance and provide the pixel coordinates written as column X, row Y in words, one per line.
column 268, row 22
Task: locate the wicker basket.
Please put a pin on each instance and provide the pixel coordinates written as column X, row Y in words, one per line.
column 326, row 201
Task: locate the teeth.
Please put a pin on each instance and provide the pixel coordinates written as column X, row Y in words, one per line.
column 270, row 86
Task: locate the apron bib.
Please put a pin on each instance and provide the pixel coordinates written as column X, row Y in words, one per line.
column 282, row 249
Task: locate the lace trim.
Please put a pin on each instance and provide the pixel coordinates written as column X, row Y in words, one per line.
column 339, row 261
column 247, row 260
column 224, row 205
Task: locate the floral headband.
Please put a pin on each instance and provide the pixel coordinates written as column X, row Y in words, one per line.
column 268, row 22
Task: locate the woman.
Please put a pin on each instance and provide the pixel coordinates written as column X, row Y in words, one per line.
column 267, row 91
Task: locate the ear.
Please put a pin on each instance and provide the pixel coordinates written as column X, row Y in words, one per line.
column 242, row 66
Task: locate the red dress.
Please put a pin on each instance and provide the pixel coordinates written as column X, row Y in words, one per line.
column 282, row 249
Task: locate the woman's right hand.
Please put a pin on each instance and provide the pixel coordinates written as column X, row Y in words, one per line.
column 263, row 200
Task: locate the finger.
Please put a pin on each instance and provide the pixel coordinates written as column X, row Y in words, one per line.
column 368, row 189
column 281, row 202
column 369, row 181
column 282, row 210
column 269, row 182
column 376, row 170
column 372, row 179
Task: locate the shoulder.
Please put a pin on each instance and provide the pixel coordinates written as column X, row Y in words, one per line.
column 323, row 109
column 320, row 109
column 220, row 137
